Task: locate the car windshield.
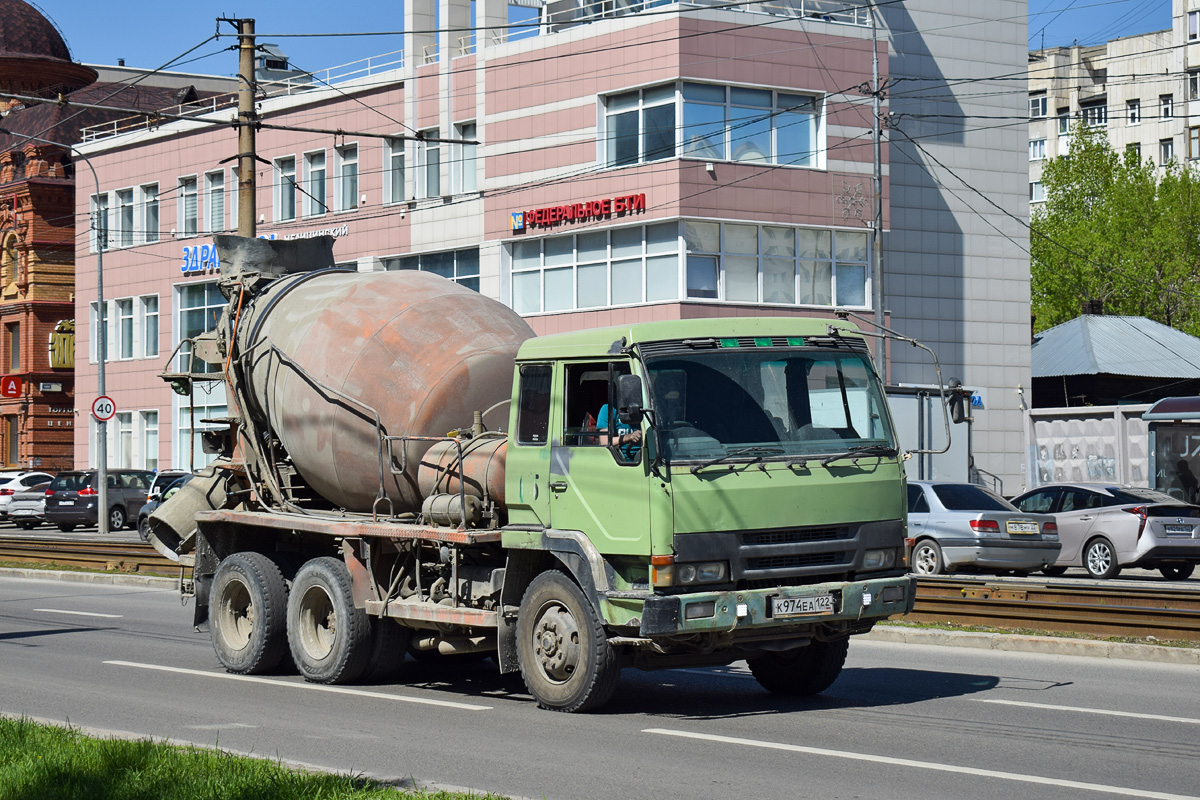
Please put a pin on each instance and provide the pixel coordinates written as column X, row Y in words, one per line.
column 965, row 497
column 767, row 402
column 71, row 482
column 1136, row 495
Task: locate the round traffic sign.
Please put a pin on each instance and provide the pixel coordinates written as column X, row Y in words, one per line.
column 103, row 408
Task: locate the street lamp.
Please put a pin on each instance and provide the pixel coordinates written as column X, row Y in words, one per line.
column 102, row 333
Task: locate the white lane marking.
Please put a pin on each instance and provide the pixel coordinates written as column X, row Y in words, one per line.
column 1157, row 717
column 79, row 613
column 315, row 687
column 224, row 727
column 928, row 765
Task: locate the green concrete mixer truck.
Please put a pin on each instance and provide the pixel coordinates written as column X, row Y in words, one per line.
column 406, row 468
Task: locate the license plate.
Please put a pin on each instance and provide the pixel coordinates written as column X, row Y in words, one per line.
column 1022, row 527
column 21, row 512
column 1186, row 530
column 802, row 606
column 66, row 502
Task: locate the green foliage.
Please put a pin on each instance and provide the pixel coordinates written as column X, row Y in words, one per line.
column 1116, row 229
column 44, row 762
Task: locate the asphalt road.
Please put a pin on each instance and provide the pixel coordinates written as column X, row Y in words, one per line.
column 903, row 721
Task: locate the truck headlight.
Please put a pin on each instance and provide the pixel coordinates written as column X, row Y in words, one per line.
column 691, row 574
column 879, row 559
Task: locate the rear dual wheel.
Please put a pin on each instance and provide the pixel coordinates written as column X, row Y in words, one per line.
column 247, row 606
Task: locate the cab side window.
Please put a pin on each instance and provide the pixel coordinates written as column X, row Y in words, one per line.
column 590, row 418
column 533, row 415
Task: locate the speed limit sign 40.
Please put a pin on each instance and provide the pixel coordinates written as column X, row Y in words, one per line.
column 103, row 408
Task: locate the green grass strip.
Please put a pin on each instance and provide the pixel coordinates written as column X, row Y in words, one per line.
column 48, row 762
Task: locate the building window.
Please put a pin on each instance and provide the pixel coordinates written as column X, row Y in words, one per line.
column 234, row 191
column 1193, row 23
column 124, row 237
column 188, row 211
column 14, row 346
column 1166, row 151
column 124, row 440
column 430, row 155
column 314, row 184
column 1193, row 143
column 99, row 222
column 199, row 306
column 460, row 266
column 1037, row 149
column 1037, row 192
column 1134, row 108
column 465, row 163
column 214, row 193
column 148, row 423
column 149, row 213
column 13, row 427
column 1134, row 148
column 97, row 322
column 1064, row 121
column 1166, row 106
column 1194, row 86
column 743, row 124
column 393, row 180
column 285, row 189
column 1094, row 115
column 124, row 317
column 640, row 126
column 148, row 317
column 1037, row 106
column 346, row 194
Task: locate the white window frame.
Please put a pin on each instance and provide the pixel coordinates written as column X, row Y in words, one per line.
column 345, row 179
column 123, row 440
column 1037, row 192
column 1037, row 149
column 100, row 227
column 316, row 184
column 124, row 216
column 429, row 164
column 149, row 213
column 214, row 216
column 233, row 198
column 148, row 438
column 147, row 324
column 1134, row 110
column 1194, row 85
column 284, row 171
column 1193, row 26
column 394, row 164
column 464, row 165
column 123, row 312
column 188, row 191
column 207, row 404
column 1094, row 115
column 1038, row 105
column 1166, row 106
column 1166, row 150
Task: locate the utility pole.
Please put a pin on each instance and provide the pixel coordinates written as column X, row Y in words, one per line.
column 247, row 126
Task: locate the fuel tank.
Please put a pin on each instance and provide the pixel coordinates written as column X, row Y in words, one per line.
column 326, row 353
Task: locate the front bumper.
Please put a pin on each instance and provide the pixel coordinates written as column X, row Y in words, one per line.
column 751, row 610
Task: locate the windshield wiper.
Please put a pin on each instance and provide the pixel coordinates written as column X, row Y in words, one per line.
column 859, row 452
column 758, row 452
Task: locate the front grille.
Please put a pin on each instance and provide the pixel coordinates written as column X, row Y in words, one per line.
column 797, row 560
column 831, row 534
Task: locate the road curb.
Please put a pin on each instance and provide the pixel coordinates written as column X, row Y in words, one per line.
column 112, row 578
column 1023, row 643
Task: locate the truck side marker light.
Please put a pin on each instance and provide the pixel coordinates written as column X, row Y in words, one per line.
column 743, row 610
column 867, row 598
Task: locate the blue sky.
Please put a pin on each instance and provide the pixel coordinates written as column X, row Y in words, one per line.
column 162, row 30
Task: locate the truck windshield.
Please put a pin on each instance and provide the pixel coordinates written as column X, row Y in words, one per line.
column 766, row 403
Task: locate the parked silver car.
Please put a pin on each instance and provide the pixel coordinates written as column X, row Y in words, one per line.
column 961, row 526
column 28, row 508
column 1104, row 528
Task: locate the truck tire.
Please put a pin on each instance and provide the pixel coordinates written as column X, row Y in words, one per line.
column 330, row 639
column 563, row 652
column 389, row 645
column 248, row 601
column 804, row 671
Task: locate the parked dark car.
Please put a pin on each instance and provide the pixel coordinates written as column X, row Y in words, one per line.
column 72, row 498
column 1104, row 528
column 157, row 497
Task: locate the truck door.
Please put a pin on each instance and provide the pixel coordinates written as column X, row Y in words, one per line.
column 598, row 485
column 527, row 463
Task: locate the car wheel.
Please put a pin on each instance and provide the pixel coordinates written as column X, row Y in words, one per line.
column 1177, row 572
column 927, row 558
column 247, row 600
column 803, row 671
column 330, row 639
column 1054, row 572
column 116, row 518
column 144, row 529
column 1100, row 559
column 65, row 528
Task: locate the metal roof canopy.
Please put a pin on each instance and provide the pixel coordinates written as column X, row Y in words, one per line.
column 1174, row 408
column 1096, row 344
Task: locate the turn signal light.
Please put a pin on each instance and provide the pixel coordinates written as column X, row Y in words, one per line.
column 87, row 492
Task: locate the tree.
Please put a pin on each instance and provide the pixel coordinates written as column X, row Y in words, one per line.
column 1119, row 230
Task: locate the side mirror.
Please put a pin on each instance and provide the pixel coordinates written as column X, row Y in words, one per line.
column 956, row 401
column 629, row 399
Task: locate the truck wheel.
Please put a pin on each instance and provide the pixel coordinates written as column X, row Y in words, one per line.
column 1100, row 559
column 564, row 655
column 247, row 604
column 389, row 643
column 927, row 558
column 803, row 671
column 330, row 639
